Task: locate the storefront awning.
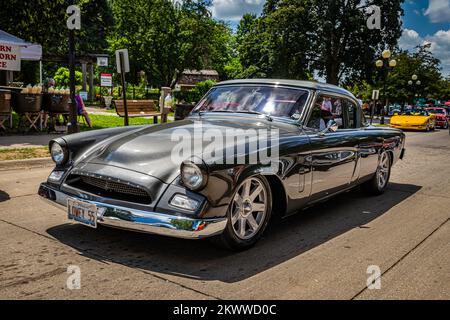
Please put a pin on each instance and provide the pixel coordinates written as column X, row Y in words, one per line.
column 29, row 51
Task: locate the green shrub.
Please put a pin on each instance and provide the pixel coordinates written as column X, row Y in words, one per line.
column 194, row 95
column 62, row 77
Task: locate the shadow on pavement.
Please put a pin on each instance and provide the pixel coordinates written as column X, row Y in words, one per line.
column 201, row 260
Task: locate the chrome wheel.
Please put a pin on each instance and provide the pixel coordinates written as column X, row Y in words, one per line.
column 383, row 170
column 249, row 208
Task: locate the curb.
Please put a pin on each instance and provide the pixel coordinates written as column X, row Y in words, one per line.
column 26, row 164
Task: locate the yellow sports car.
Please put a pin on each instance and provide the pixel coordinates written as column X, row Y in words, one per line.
column 415, row 119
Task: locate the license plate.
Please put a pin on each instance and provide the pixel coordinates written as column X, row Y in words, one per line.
column 82, row 212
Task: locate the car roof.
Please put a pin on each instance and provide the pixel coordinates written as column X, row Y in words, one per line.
column 292, row 83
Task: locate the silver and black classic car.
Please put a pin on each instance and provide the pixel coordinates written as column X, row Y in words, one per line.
column 250, row 151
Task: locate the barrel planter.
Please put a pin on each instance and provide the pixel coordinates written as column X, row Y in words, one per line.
column 26, row 103
column 56, row 103
column 5, row 101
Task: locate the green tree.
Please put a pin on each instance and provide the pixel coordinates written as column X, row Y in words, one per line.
column 44, row 22
column 277, row 43
column 422, row 63
column 164, row 39
column 294, row 38
column 345, row 46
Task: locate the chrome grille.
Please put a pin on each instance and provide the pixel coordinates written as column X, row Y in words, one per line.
column 113, row 186
column 109, row 188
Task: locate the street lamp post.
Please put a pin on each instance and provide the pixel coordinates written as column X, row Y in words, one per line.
column 385, row 64
column 414, row 83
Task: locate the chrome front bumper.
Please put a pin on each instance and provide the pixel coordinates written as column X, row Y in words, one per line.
column 141, row 221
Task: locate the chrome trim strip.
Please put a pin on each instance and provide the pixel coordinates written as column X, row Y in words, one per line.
column 141, row 221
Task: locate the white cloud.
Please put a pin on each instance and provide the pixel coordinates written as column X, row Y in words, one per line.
column 410, row 39
column 233, row 10
column 440, row 45
column 438, row 11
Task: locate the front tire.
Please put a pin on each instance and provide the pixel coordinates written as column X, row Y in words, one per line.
column 378, row 184
column 248, row 215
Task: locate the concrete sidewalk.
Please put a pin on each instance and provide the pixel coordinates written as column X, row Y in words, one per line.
column 26, row 141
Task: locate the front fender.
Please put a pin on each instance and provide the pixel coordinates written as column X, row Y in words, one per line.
column 80, row 145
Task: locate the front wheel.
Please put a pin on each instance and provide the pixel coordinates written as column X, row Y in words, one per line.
column 248, row 214
column 378, row 184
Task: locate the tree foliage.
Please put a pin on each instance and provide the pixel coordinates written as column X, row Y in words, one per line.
column 421, row 63
column 44, row 22
column 62, row 77
column 294, row 38
column 164, row 39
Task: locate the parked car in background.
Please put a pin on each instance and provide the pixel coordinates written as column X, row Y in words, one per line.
column 442, row 117
column 394, row 111
column 126, row 178
column 393, row 108
column 414, row 119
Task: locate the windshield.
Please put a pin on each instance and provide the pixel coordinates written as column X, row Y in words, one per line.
column 436, row 111
column 273, row 101
column 415, row 112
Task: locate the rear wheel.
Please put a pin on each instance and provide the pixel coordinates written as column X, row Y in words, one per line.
column 378, row 184
column 248, row 215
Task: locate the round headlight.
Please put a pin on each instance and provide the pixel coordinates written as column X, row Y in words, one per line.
column 192, row 176
column 58, row 153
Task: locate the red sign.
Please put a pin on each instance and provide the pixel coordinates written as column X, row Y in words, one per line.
column 9, row 57
column 106, row 80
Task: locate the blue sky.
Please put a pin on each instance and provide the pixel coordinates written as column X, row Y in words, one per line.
column 424, row 21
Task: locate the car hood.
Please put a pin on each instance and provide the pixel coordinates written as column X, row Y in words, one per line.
column 409, row 119
column 150, row 150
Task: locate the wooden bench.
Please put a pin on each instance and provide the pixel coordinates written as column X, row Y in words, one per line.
column 138, row 108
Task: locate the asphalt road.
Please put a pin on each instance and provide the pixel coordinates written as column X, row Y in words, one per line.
column 322, row 253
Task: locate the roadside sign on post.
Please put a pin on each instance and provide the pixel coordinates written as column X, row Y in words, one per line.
column 375, row 94
column 106, row 80
column 126, row 61
column 123, row 66
column 102, row 61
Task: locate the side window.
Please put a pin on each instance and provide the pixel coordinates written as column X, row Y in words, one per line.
column 316, row 120
column 326, row 108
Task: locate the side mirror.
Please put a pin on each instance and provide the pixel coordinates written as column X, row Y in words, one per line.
column 332, row 126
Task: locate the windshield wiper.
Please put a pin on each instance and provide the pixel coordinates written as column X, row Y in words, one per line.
column 267, row 116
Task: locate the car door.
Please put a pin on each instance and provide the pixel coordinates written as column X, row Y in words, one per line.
column 334, row 154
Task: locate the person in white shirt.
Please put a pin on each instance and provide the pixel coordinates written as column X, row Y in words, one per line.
column 327, row 105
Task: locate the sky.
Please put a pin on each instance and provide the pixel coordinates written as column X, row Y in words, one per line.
column 424, row 21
